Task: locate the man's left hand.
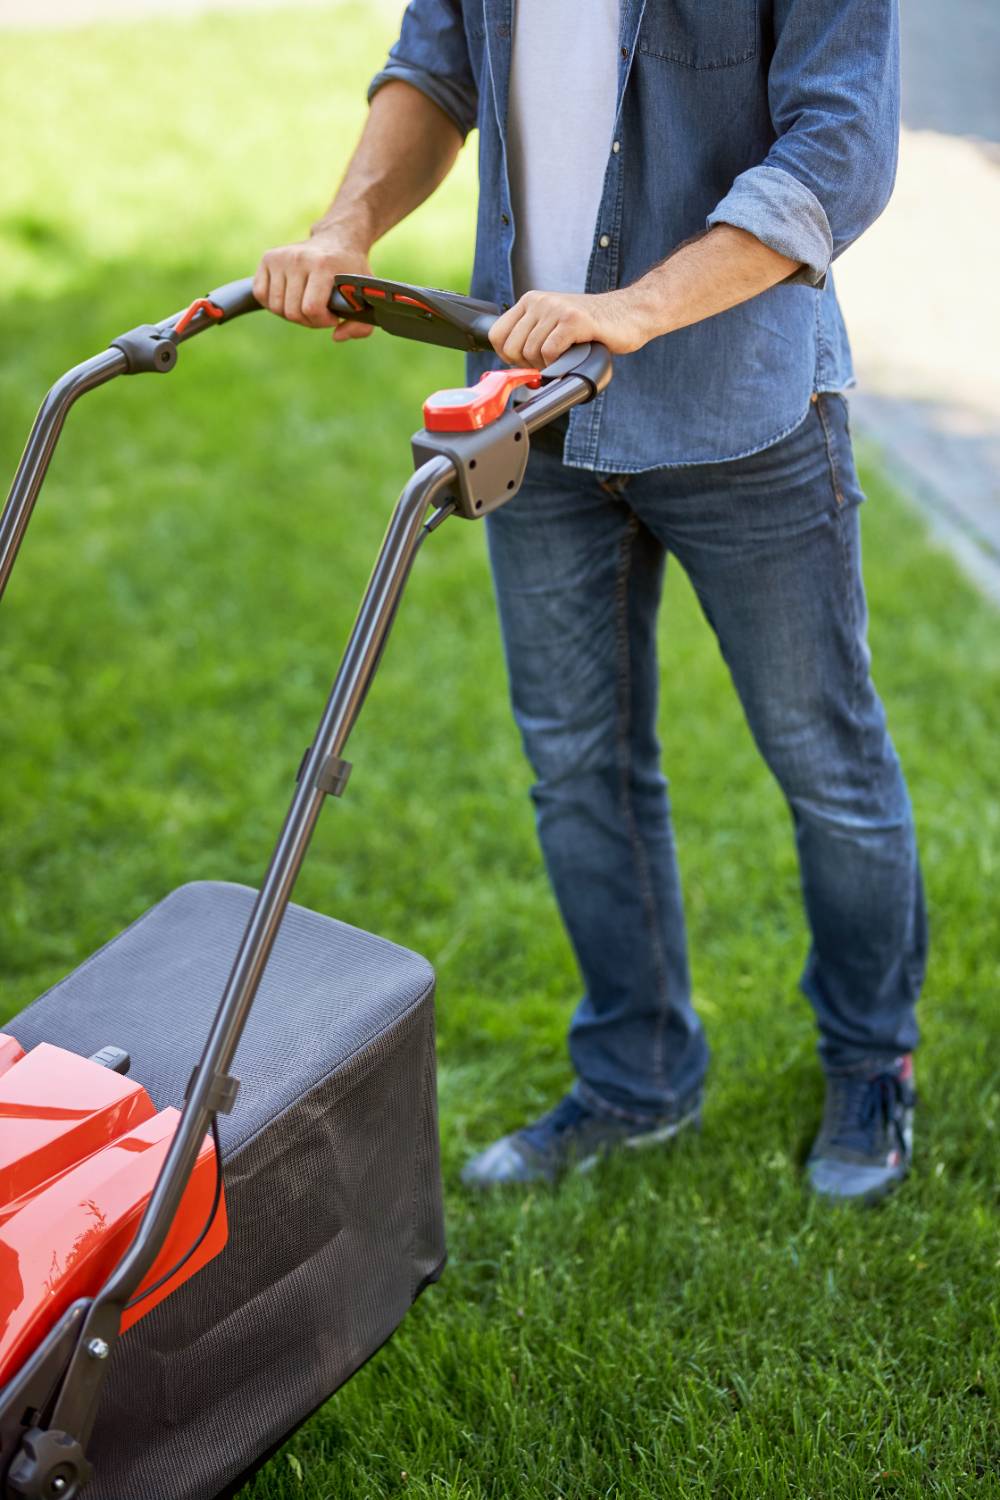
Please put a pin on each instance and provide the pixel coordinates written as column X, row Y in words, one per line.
column 543, row 325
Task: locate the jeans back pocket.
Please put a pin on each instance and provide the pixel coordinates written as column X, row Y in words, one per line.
column 699, row 33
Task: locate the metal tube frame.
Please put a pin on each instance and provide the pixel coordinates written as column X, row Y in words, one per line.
column 41, row 445
column 76, row 1386
column 75, row 1409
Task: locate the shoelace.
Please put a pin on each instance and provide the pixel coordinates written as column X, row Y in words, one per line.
column 860, row 1107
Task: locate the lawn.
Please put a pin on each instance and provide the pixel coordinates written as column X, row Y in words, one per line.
column 680, row 1325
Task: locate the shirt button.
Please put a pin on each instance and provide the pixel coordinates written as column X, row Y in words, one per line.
column 616, row 146
column 504, row 219
column 604, row 241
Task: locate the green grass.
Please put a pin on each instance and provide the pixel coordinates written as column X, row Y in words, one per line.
column 683, row 1325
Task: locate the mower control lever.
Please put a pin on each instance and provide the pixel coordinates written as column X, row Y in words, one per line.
column 487, row 446
column 471, row 407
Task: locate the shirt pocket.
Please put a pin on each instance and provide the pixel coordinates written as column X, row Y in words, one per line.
column 699, row 33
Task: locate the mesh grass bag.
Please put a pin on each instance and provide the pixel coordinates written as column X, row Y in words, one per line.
column 331, row 1171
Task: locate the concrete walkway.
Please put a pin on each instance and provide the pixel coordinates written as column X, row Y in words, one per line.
column 920, row 290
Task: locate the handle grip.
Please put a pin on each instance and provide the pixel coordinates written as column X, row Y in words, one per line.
column 235, row 298
column 416, row 312
column 477, row 328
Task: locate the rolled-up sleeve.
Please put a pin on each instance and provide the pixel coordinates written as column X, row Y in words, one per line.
column 833, row 91
column 432, row 54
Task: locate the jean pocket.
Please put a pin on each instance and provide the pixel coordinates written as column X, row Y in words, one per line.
column 474, row 17
column 699, row 33
column 834, row 416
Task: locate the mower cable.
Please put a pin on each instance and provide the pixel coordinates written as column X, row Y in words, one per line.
column 216, row 1200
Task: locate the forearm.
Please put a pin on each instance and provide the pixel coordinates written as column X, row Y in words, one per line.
column 705, row 276
column 407, row 148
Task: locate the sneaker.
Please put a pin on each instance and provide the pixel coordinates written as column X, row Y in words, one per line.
column 865, row 1143
column 571, row 1136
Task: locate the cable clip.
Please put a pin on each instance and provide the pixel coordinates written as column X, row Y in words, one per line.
column 222, row 1095
column 332, row 776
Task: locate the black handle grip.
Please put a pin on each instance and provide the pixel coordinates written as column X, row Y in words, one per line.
column 471, row 334
column 416, row 312
column 235, row 298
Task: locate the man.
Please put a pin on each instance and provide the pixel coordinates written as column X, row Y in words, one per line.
column 673, row 178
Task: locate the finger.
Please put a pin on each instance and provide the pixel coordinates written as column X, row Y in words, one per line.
column 276, row 291
column 316, row 300
column 260, row 282
column 513, row 347
column 295, row 285
column 532, row 352
column 501, row 329
column 562, row 337
column 346, row 330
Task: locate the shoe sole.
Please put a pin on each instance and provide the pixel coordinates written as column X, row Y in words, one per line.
column 871, row 1199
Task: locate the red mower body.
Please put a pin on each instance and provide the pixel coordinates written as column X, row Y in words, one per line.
column 80, row 1151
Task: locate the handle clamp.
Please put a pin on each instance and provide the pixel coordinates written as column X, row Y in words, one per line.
column 148, row 348
column 489, row 462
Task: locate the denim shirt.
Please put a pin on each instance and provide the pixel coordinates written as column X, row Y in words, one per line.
column 778, row 116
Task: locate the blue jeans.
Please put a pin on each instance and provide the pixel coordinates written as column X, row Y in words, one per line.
column 771, row 546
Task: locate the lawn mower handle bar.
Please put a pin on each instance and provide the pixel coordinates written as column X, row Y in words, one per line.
column 62, row 1380
column 423, row 313
column 443, row 318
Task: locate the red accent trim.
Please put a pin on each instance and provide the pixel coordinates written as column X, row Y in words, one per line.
column 200, row 305
column 349, row 292
column 372, row 291
column 11, row 1052
column 80, row 1150
column 469, row 408
column 412, row 302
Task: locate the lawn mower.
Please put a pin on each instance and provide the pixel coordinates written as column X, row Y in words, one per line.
column 191, row 1262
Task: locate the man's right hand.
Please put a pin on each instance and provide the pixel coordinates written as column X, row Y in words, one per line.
column 295, row 282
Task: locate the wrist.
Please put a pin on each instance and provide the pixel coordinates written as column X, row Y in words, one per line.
column 640, row 311
column 347, row 237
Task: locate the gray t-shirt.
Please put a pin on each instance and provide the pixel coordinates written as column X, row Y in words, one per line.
column 563, row 87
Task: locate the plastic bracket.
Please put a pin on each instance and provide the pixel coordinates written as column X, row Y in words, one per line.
column 489, row 463
column 147, row 348
column 333, row 776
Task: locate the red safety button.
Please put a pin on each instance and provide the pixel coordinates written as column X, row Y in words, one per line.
column 469, row 407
